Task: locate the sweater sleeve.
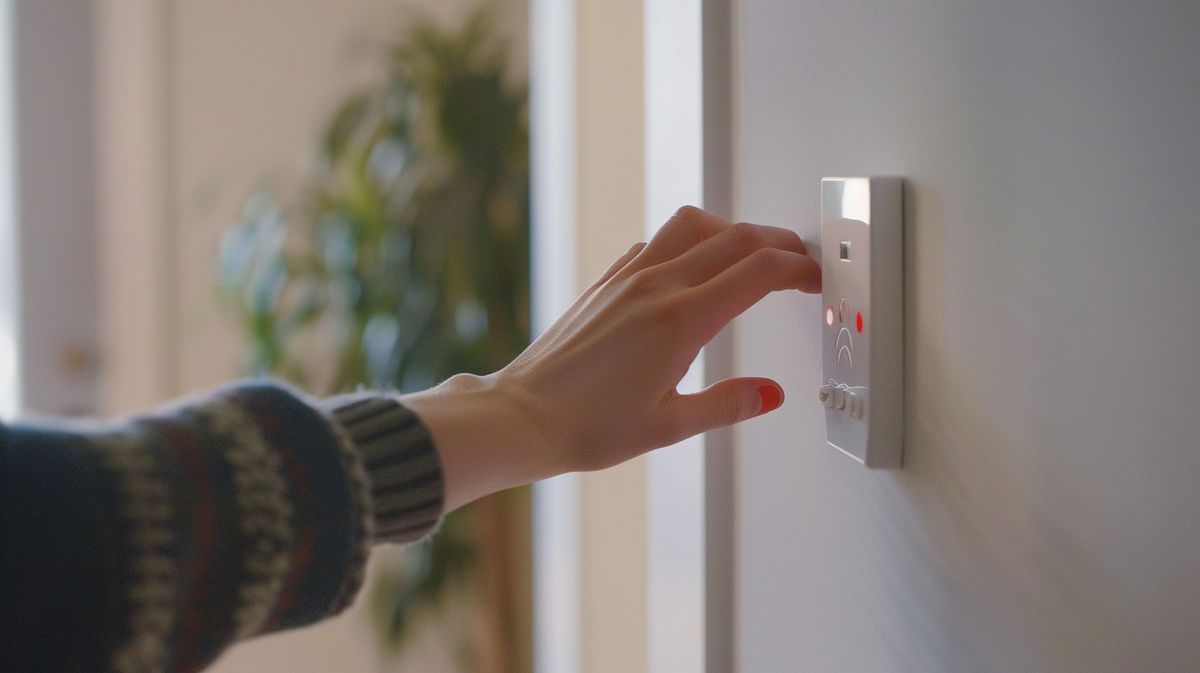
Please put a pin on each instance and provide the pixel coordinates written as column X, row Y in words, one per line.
column 403, row 467
column 154, row 544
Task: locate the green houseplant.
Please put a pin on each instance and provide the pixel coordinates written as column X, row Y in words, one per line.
column 403, row 260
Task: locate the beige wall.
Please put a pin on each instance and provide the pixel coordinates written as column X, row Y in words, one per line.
column 589, row 199
column 611, row 197
column 201, row 102
column 250, row 85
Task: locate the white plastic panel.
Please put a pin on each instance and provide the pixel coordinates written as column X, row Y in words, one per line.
column 862, row 252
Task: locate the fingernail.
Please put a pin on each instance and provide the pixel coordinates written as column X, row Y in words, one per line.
column 772, row 398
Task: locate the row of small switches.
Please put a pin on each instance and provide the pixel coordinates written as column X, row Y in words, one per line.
column 839, row 396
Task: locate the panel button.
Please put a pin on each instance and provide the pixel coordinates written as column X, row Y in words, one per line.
column 856, row 404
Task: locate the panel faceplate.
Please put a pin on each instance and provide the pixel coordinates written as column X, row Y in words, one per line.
column 862, row 256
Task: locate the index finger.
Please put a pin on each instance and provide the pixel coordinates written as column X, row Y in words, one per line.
column 731, row 292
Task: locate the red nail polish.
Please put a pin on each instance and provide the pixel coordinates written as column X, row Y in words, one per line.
column 772, row 398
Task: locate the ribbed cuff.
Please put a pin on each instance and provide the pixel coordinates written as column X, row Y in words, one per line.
column 401, row 460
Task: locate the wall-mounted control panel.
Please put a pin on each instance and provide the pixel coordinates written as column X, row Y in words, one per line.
column 862, row 318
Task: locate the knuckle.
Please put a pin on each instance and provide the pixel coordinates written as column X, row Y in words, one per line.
column 796, row 240
column 726, row 409
column 734, row 409
column 688, row 224
column 768, row 260
column 641, row 283
column 685, row 213
column 747, row 236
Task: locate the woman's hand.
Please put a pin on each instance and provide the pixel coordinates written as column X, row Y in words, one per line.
column 599, row 386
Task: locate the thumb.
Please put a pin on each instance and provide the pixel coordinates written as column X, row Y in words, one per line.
column 725, row 403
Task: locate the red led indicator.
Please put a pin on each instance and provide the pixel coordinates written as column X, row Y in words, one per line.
column 858, row 321
column 829, row 316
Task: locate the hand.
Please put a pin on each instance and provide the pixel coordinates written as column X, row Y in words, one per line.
column 599, row 386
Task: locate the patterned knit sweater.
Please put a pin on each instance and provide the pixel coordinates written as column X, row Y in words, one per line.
column 155, row 544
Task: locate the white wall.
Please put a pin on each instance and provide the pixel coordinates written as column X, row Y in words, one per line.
column 1048, row 516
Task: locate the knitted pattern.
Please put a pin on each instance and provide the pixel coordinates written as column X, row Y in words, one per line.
column 153, row 545
column 145, row 497
column 402, row 464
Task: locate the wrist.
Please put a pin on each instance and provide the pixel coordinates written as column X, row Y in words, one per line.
column 485, row 436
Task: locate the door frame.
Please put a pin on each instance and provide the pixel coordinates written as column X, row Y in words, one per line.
column 689, row 120
column 678, row 527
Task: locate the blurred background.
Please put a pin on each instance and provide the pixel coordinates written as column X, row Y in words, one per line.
column 366, row 191
column 334, row 193
column 346, row 192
